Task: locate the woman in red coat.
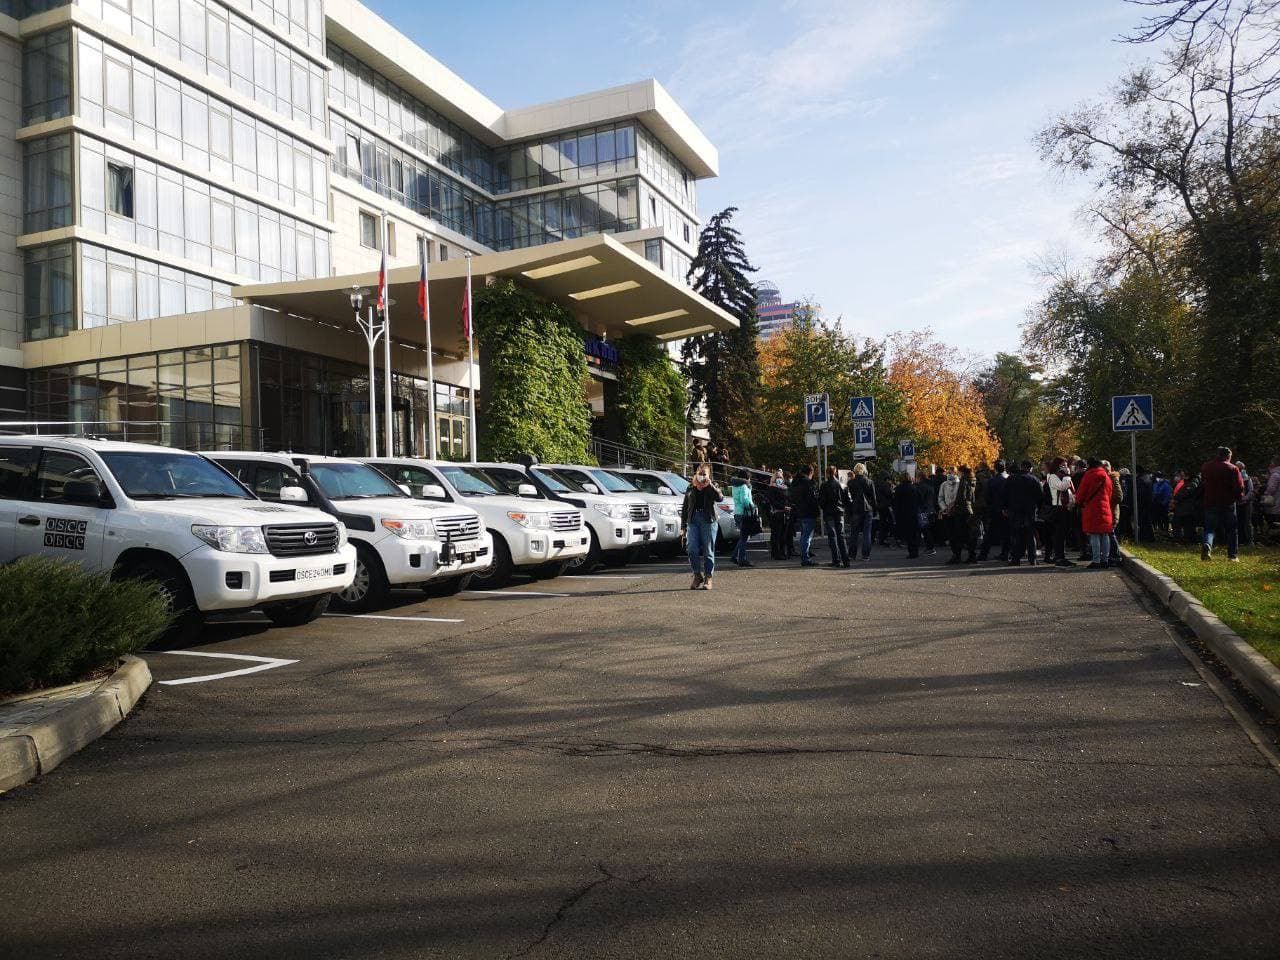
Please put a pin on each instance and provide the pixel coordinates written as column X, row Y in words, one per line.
column 1094, row 499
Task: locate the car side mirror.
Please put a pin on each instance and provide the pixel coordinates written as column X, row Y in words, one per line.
column 526, row 490
column 666, row 491
column 432, row 491
column 590, row 488
column 84, row 493
column 293, row 494
column 405, row 489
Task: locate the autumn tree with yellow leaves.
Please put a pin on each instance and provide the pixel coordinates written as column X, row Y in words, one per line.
column 943, row 404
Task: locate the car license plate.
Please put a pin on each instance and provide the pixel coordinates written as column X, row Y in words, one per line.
column 315, row 573
column 645, row 534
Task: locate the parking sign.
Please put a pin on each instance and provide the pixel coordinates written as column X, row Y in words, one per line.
column 864, row 439
column 817, row 411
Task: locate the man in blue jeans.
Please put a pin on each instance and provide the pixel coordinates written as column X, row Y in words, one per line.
column 1222, row 488
column 804, row 503
column 698, row 520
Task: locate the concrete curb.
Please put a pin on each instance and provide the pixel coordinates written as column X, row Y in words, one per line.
column 42, row 746
column 1251, row 668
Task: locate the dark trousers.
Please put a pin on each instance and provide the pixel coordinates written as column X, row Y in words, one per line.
column 789, row 537
column 1222, row 520
column 1023, row 531
column 960, row 537
column 778, row 535
column 1063, row 520
column 910, row 534
column 833, row 527
column 997, row 536
column 1244, row 523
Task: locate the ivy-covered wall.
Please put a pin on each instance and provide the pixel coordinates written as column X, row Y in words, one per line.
column 533, row 377
column 651, row 397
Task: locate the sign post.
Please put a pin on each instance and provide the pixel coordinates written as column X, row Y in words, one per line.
column 1133, row 414
column 863, row 413
column 817, row 420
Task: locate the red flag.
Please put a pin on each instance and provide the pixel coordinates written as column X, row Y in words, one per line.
column 382, row 279
column 423, row 306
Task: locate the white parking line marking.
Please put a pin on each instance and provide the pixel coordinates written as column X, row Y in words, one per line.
column 518, row 593
column 263, row 663
column 383, row 616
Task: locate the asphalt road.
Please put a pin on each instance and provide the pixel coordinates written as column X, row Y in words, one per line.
column 890, row 761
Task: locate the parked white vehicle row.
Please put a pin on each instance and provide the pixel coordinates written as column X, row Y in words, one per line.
column 620, row 524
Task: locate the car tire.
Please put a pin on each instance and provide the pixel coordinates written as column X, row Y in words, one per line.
column 499, row 574
column 593, row 559
column 369, row 589
column 295, row 613
column 170, row 578
column 447, row 588
column 617, row 558
column 549, row 571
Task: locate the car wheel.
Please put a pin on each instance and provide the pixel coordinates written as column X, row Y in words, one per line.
column 170, row 580
column 447, row 588
column 617, row 558
column 593, row 558
column 369, row 588
column 549, row 571
column 295, row 613
column 498, row 575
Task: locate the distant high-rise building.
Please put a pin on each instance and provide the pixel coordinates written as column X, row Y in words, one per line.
column 771, row 313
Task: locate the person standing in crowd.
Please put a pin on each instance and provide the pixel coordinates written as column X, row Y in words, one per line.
column 906, row 514
column 1094, row 497
column 946, row 499
column 778, row 513
column 1022, row 499
column 1146, row 502
column 1269, row 502
column 793, row 525
column 804, row 507
column 926, row 504
column 1222, row 488
column 698, row 526
column 962, row 514
column 1244, row 509
column 1186, row 509
column 1062, row 501
column 862, row 511
column 744, row 512
column 884, row 512
column 1161, row 499
column 1118, row 494
column 1124, row 526
column 997, row 532
column 832, row 498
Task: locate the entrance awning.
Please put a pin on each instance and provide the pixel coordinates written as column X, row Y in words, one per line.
column 609, row 288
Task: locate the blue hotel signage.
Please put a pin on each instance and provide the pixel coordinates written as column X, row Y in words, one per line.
column 605, row 354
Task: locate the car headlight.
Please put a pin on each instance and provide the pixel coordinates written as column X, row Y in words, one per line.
column 538, row 521
column 231, row 539
column 342, row 535
column 614, row 511
column 668, row 510
column 411, row 529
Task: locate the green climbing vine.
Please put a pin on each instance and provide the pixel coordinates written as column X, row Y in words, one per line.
column 534, row 386
column 651, row 397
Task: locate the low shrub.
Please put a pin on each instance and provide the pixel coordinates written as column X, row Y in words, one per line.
column 59, row 623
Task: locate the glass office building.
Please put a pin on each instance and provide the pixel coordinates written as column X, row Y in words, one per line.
column 172, row 151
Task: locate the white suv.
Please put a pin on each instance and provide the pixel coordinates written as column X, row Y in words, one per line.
column 621, row 525
column 170, row 516
column 665, row 493
column 399, row 541
column 532, row 533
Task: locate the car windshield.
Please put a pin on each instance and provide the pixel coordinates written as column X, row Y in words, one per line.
column 167, row 476
column 676, row 482
column 470, row 481
column 510, row 480
column 612, row 482
column 557, row 484
column 352, row 481
column 648, row 482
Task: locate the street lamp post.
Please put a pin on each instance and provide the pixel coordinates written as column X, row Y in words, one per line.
column 372, row 331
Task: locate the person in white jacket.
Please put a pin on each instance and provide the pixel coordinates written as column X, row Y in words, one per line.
column 947, row 493
column 1062, row 499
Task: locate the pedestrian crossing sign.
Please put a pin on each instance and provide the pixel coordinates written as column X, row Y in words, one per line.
column 864, row 408
column 1132, row 413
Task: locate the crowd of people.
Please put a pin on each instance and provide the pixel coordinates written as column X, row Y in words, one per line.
column 1048, row 513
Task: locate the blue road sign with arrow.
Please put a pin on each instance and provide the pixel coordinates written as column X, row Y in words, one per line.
column 1132, row 413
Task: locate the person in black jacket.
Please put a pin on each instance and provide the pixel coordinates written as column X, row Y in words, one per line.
column 804, row 507
column 862, row 510
column 779, row 512
column 906, row 513
column 833, row 498
column 997, row 530
column 1022, row 496
column 884, row 501
column 698, row 526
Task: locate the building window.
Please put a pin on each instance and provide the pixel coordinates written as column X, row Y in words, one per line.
column 686, row 233
column 47, row 292
column 653, row 252
column 444, row 253
column 369, row 231
column 120, row 190
column 46, row 77
column 47, row 190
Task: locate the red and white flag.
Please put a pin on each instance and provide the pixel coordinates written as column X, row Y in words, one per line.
column 382, row 274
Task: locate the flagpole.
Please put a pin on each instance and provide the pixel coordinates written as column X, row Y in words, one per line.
column 471, row 363
column 388, row 426
column 431, row 376
column 372, row 337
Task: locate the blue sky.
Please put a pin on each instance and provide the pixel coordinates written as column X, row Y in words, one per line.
column 879, row 150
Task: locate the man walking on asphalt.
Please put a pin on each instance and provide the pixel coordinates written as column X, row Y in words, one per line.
column 1222, row 488
column 804, row 506
column 1022, row 494
column 832, row 498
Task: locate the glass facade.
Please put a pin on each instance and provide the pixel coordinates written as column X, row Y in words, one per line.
column 46, row 76
column 116, row 288
column 183, row 398
column 577, row 155
column 47, row 183
column 49, row 292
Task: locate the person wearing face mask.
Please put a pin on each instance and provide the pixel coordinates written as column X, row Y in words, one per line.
column 776, row 499
column 698, row 527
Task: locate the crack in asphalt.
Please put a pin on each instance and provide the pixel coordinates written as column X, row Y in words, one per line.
column 571, row 901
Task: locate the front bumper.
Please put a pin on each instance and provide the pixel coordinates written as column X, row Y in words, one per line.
column 728, row 526
column 417, row 561
column 240, row 581
column 531, row 548
column 668, row 528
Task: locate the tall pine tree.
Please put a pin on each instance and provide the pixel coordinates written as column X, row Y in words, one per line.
column 724, row 368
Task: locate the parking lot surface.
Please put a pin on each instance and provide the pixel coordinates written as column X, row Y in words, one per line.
column 889, row 761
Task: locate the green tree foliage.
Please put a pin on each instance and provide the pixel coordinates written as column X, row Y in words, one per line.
column 58, row 623
column 813, row 356
column 1186, row 150
column 535, row 375
column 723, row 369
column 1022, row 412
column 651, row 397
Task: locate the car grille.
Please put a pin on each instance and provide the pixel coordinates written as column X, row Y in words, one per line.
column 302, row 539
column 457, row 529
column 639, row 511
column 570, row 520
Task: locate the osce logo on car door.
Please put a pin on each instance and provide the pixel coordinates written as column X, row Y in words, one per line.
column 66, row 534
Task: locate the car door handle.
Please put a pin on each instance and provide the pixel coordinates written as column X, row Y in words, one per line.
column 29, row 521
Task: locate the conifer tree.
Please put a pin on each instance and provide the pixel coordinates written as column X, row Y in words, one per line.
column 724, row 367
